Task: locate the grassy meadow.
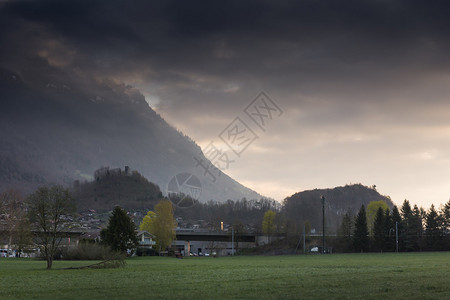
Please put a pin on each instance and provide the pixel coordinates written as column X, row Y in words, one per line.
column 337, row 276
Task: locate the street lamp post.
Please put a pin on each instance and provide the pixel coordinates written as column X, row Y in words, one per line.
column 396, row 235
column 323, row 224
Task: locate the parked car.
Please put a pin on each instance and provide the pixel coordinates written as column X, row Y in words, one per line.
column 6, row 253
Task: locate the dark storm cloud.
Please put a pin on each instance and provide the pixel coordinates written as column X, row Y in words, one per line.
column 200, row 52
column 266, row 39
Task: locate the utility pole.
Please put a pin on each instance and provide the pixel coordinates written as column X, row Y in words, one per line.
column 300, row 239
column 304, row 238
column 396, row 236
column 232, row 241
column 323, row 224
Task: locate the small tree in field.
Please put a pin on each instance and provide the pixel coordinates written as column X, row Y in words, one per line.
column 120, row 234
column 49, row 209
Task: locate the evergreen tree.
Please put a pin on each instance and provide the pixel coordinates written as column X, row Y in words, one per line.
column 378, row 231
column 417, row 228
column 408, row 234
column 361, row 233
column 389, row 232
column 446, row 215
column 120, row 234
column 446, row 220
column 397, row 225
column 433, row 230
column 371, row 212
column 345, row 232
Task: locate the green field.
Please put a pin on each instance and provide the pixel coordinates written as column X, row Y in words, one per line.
column 337, row 276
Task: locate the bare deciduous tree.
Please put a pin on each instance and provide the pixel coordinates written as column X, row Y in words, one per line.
column 14, row 220
column 49, row 212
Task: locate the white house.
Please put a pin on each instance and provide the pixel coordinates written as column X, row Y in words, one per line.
column 146, row 239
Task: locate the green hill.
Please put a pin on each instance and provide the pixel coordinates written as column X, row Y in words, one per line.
column 112, row 187
column 307, row 205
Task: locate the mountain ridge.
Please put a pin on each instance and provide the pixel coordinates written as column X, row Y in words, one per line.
column 58, row 128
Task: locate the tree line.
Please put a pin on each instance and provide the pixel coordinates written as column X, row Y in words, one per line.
column 43, row 220
column 237, row 213
column 404, row 230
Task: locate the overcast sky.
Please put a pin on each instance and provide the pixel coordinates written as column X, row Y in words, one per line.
column 363, row 86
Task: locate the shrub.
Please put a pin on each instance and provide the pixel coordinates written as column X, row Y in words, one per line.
column 92, row 251
column 146, row 252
